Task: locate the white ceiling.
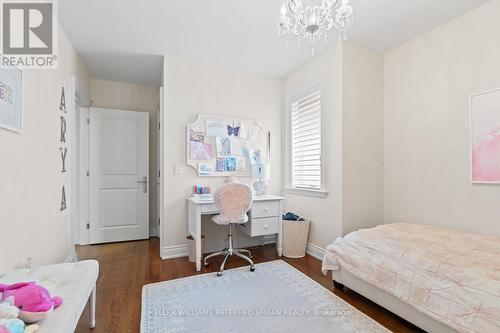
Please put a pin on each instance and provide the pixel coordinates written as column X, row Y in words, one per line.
column 124, row 40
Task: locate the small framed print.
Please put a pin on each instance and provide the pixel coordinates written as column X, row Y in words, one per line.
column 10, row 98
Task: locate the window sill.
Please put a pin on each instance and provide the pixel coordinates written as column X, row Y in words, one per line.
column 306, row 192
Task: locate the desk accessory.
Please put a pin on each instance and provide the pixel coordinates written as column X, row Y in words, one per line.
column 260, row 173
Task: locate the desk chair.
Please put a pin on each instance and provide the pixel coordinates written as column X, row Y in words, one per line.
column 233, row 201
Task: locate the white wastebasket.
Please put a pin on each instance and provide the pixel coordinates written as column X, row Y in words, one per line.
column 295, row 235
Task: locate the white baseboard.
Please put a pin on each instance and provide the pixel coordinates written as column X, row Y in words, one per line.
column 271, row 239
column 179, row 251
column 315, row 251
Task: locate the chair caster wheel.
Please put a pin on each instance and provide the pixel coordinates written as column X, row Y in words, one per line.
column 219, row 273
column 205, row 263
column 250, row 257
column 252, row 269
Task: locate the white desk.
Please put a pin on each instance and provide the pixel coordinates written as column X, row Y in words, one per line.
column 265, row 219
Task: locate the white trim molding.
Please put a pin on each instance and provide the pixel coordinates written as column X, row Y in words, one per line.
column 315, row 251
column 176, row 251
column 307, row 192
column 270, row 239
column 179, row 251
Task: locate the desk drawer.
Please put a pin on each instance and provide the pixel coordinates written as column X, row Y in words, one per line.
column 265, row 209
column 261, row 227
column 209, row 208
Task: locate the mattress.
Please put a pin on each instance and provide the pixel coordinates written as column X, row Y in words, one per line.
column 449, row 275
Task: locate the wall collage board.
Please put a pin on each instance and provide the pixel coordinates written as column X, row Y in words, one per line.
column 220, row 146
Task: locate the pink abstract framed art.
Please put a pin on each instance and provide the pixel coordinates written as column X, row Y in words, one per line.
column 485, row 137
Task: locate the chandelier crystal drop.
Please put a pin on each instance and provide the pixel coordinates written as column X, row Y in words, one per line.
column 313, row 19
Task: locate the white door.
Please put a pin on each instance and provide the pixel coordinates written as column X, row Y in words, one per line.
column 118, row 165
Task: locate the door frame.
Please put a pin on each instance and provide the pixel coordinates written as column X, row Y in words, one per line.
column 83, row 231
column 156, row 230
column 161, row 166
column 77, row 95
column 86, row 170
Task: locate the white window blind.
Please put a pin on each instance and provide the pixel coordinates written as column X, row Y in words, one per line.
column 306, row 142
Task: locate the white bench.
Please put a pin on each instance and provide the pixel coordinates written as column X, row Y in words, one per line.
column 74, row 282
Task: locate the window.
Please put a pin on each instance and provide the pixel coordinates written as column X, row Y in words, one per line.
column 305, row 142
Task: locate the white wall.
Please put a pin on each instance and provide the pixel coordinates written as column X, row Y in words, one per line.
column 30, row 169
column 190, row 90
column 325, row 213
column 124, row 96
column 363, row 139
column 427, row 85
column 134, row 97
column 352, row 97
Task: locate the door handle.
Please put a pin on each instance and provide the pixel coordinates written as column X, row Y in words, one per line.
column 145, row 182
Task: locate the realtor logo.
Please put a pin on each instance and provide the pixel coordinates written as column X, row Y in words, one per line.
column 28, row 34
column 27, row 28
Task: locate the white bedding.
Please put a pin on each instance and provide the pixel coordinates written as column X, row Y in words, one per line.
column 451, row 276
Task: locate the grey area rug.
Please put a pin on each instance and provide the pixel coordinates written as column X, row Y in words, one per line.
column 274, row 298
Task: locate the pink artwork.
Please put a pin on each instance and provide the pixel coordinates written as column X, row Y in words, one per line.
column 485, row 131
column 201, row 151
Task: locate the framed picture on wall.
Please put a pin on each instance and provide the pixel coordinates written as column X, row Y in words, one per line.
column 485, row 137
column 10, row 98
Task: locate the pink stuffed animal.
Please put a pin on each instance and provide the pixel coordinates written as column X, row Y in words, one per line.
column 33, row 300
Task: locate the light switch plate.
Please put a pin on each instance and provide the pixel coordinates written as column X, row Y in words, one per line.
column 178, row 169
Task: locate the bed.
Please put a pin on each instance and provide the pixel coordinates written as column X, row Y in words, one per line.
column 441, row 280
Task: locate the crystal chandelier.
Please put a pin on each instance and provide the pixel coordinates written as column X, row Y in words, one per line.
column 312, row 19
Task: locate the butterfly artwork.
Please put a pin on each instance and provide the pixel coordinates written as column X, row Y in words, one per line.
column 233, row 130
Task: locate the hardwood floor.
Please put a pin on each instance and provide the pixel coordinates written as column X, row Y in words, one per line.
column 126, row 267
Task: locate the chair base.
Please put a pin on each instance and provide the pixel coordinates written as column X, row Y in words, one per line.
column 230, row 251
